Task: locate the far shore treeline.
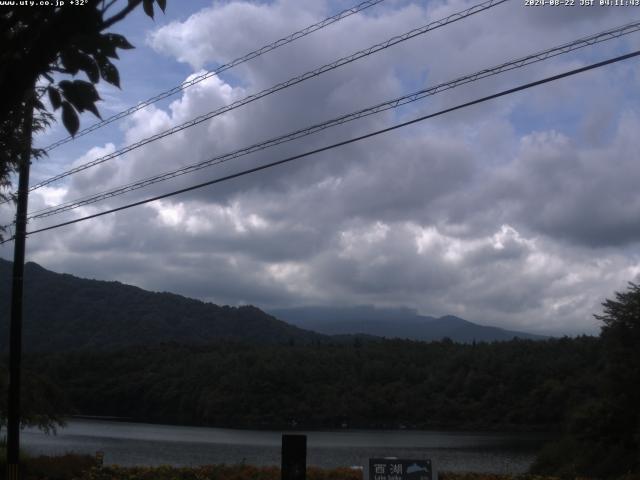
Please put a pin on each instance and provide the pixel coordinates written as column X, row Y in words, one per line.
column 387, row 384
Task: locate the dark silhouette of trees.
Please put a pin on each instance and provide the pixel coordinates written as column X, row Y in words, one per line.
column 620, row 434
column 512, row 385
column 40, row 47
column 43, row 402
column 43, row 46
column 602, row 434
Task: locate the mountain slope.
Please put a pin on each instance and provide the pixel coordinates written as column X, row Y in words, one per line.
column 64, row 312
column 393, row 323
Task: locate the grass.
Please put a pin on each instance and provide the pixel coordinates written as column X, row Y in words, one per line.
column 84, row 467
column 213, row 472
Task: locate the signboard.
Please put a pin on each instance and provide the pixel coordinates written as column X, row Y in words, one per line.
column 399, row 469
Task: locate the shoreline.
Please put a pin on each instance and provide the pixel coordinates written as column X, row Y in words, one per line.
column 435, row 428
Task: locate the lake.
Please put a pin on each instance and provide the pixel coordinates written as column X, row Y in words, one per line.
column 126, row 443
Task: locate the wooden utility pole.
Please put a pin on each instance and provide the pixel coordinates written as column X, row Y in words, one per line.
column 15, row 334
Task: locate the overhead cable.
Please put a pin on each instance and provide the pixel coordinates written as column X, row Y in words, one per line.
column 233, row 63
column 280, row 86
column 339, row 144
column 380, row 107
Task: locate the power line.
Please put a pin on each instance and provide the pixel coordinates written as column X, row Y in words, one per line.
column 394, row 103
column 233, row 63
column 280, row 86
column 345, row 142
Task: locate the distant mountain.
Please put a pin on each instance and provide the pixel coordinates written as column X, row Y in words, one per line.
column 394, row 323
column 63, row 312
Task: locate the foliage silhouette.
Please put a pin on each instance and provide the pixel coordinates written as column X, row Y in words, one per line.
column 385, row 384
column 602, row 433
column 41, row 45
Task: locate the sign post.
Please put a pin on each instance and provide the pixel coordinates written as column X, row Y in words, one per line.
column 294, row 457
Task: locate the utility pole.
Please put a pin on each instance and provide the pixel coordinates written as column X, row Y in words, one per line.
column 15, row 334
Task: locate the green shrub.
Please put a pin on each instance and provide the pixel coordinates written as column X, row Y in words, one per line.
column 212, row 472
column 63, row 467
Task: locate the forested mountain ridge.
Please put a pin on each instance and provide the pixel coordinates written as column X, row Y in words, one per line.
column 64, row 312
column 401, row 323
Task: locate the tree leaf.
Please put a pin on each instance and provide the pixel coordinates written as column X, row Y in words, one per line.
column 118, row 41
column 38, row 105
column 70, row 118
column 70, row 61
column 87, row 43
column 107, row 47
column 108, row 71
column 54, row 97
column 89, row 66
column 147, row 5
column 86, row 90
column 162, row 4
column 82, row 95
column 88, row 95
column 65, row 85
column 93, row 109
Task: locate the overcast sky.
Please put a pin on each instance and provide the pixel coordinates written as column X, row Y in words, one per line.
column 522, row 213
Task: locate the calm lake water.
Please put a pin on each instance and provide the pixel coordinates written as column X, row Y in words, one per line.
column 126, row 443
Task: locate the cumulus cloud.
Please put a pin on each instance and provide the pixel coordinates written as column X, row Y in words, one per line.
column 517, row 213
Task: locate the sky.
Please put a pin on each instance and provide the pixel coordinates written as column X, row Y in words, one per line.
column 521, row 212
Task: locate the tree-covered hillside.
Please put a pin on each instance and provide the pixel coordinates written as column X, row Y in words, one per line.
column 64, row 312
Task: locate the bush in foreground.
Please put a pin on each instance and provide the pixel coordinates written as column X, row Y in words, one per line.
column 63, row 467
column 222, row 472
column 83, row 467
column 212, row 472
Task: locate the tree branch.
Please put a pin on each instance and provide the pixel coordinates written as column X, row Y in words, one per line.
column 121, row 14
column 108, row 6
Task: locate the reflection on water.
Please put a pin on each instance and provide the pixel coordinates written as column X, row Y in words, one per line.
column 145, row 444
